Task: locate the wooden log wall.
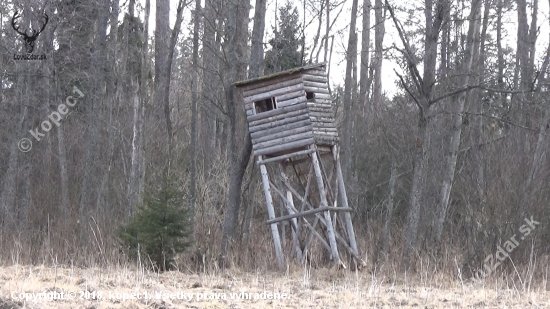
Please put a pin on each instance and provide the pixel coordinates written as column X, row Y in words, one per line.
column 285, row 128
column 297, row 121
column 320, row 108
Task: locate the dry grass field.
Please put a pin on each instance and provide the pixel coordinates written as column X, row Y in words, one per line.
column 124, row 287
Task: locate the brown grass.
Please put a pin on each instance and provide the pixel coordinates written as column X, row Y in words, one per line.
column 306, row 287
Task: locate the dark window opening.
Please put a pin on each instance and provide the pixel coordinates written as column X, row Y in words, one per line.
column 265, row 105
column 310, row 96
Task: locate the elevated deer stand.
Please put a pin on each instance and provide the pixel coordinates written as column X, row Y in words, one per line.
column 292, row 126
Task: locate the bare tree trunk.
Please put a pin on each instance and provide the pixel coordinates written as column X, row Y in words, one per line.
column 210, row 109
column 347, row 129
column 327, row 30
column 96, row 99
column 24, row 202
column 63, row 173
column 457, row 119
column 445, row 53
column 194, row 102
column 479, row 134
column 317, row 35
column 533, row 29
column 133, row 183
column 423, row 100
column 103, row 203
column 236, row 44
column 249, row 208
column 537, row 164
column 256, row 68
column 389, row 210
column 8, row 190
column 364, row 84
column 168, row 78
column 500, row 52
column 162, row 33
column 413, row 214
column 379, row 31
column 526, row 42
column 234, row 198
column 144, row 98
column 22, row 205
column 522, row 58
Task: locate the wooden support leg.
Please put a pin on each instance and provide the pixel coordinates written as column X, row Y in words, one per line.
column 344, row 197
column 295, row 231
column 284, row 224
column 271, row 214
column 309, row 237
column 328, row 219
column 291, row 209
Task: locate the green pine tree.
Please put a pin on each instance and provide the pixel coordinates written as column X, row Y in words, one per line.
column 285, row 53
column 160, row 228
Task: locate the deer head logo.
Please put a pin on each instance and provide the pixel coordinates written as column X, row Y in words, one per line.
column 33, row 34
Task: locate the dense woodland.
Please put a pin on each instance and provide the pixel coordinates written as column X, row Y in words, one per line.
column 439, row 175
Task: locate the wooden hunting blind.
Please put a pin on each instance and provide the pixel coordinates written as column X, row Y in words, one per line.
column 292, row 126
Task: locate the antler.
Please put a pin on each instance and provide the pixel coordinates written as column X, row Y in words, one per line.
column 43, row 26
column 29, row 39
column 34, row 33
column 15, row 27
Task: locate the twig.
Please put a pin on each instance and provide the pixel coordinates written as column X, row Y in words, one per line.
column 97, row 241
column 495, row 118
column 450, row 94
column 482, row 144
column 407, row 90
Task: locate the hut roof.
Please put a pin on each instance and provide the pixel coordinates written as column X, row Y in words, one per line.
column 274, row 75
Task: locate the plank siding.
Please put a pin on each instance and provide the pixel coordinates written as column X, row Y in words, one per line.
column 296, row 122
column 317, row 73
column 276, row 112
column 285, row 133
column 277, row 125
column 255, row 88
column 267, row 88
column 315, row 78
column 285, row 147
column 280, row 128
column 316, row 90
column 273, row 93
column 315, row 84
column 282, row 116
column 284, row 140
column 322, row 119
column 320, row 108
column 322, row 96
column 323, row 125
column 291, row 95
column 318, row 104
column 294, row 101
